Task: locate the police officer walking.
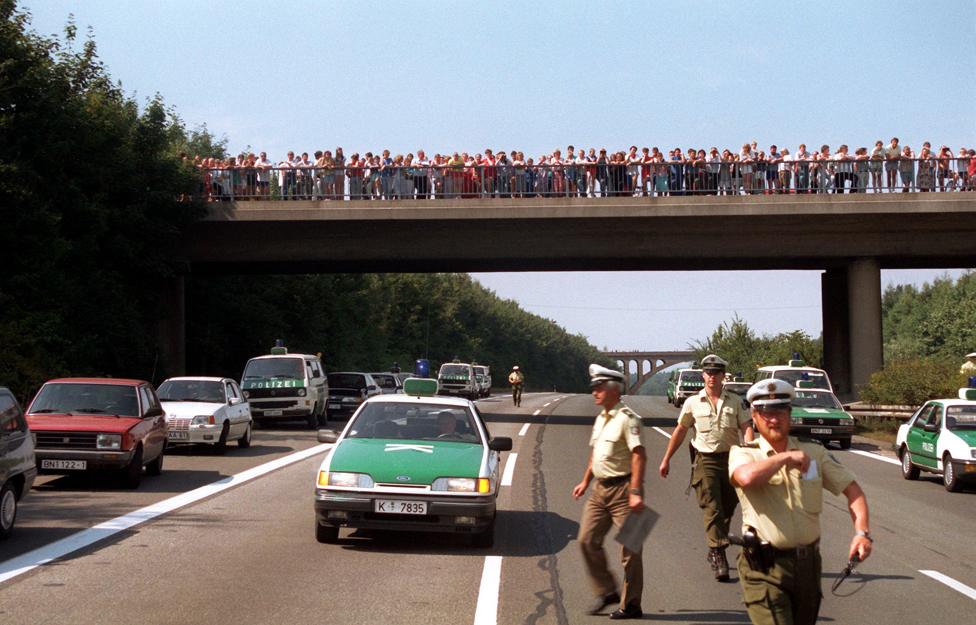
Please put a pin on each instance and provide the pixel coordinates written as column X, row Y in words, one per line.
column 617, row 461
column 516, row 379
column 780, row 481
column 717, row 417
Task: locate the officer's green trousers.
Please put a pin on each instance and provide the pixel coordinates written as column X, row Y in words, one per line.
column 788, row 594
column 716, row 496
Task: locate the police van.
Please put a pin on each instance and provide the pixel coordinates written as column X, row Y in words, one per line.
column 797, row 373
column 458, row 378
column 683, row 383
column 283, row 386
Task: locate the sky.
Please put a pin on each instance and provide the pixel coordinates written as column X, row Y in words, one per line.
column 534, row 76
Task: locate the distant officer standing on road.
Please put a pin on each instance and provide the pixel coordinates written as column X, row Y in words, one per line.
column 617, row 462
column 516, row 379
column 780, row 481
column 717, row 417
column 968, row 368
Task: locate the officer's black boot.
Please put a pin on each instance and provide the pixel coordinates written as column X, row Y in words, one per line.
column 722, row 570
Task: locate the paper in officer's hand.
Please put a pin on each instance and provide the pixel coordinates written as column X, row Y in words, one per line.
column 637, row 526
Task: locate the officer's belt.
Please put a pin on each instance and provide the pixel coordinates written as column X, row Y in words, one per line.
column 613, row 481
column 803, row 552
column 714, row 454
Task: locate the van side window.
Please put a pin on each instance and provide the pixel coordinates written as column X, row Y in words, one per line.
column 10, row 417
column 316, row 369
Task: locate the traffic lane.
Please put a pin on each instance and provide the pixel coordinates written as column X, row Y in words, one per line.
column 904, row 545
column 249, row 555
column 60, row 505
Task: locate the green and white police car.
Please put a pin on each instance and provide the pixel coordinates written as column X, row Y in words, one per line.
column 797, row 373
column 819, row 415
column 411, row 461
column 941, row 438
column 683, row 383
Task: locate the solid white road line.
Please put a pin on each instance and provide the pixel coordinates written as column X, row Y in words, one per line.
column 487, row 611
column 661, row 432
column 525, row 428
column 58, row 549
column 868, row 454
column 509, row 469
column 951, row 583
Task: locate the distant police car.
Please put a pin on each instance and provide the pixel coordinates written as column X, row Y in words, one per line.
column 796, row 372
column 941, row 438
column 819, row 415
column 411, row 462
column 683, row 383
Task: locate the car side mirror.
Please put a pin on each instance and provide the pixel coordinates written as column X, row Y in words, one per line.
column 371, row 387
column 328, row 436
column 154, row 412
column 233, row 401
column 931, row 427
column 500, row 443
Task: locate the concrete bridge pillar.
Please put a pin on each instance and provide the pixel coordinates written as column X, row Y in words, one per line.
column 836, row 330
column 171, row 339
column 864, row 315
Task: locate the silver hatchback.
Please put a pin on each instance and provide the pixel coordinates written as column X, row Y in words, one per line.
column 17, row 465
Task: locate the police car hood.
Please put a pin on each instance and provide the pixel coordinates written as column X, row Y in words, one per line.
column 189, row 408
column 385, row 460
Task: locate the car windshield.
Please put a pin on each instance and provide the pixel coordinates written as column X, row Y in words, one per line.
column 811, row 399
column 690, row 377
column 191, row 390
column 415, row 422
column 811, row 379
column 346, row 380
column 481, row 370
column 961, row 418
column 460, row 370
column 274, row 368
column 86, row 399
column 385, row 380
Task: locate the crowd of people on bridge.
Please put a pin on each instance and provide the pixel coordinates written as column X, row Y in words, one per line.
column 591, row 172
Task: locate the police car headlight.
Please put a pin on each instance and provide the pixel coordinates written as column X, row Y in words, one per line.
column 247, row 394
column 203, row 419
column 461, row 484
column 109, row 441
column 847, row 422
column 301, row 392
column 345, row 479
column 796, row 420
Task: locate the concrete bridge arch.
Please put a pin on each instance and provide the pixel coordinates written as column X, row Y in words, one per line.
column 644, row 364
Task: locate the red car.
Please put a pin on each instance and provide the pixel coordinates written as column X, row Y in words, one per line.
column 86, row 424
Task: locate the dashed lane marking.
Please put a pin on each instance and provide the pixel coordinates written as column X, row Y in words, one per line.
column 661, row 432
column 58, row 549
column 873, row 456
column 509, row 470
column 536, row 413
column 487, row 611
column 525, row 428
column 951, row 583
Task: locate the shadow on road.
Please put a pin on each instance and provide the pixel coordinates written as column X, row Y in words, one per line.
column 254, row 451
column 718, row 617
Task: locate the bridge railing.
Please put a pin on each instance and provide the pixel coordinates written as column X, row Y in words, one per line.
column 600, row 179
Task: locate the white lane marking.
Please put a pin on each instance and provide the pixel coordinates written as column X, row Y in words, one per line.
column 536, row 413
column 951, row 583
column 868, row 454
column 525, row 428
column 509, row 469
column 546, row 405
column 58, row 549
column 661, row 432
column 487, row 611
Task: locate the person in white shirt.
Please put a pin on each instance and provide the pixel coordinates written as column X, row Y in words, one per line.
column 843, row 169
column 785, row 170
column 264, row 166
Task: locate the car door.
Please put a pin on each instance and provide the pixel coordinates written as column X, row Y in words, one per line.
column 13, row 431
column 234, row 409
column 918, row 439
column 153, row 426
column 317, row 388
column 929, row 436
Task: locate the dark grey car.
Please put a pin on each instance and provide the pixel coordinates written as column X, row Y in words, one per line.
column 17, row 465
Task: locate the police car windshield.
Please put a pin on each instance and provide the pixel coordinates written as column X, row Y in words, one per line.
column 414, row 422
column 454, row 370
column 87, row 399
column 191, row 390
column 385, row 380
column 346, row 380
column 274, row 368
column 813, row 399
column 961, row 418
column 810, row 379
column 692, row 376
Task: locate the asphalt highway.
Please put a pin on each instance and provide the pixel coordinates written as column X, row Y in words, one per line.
column 229, row 539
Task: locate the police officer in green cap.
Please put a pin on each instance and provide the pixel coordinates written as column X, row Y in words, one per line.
column 780, row 480
column 717, row 417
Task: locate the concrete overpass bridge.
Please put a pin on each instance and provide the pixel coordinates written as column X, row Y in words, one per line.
column 850, row 238
column 641, row 365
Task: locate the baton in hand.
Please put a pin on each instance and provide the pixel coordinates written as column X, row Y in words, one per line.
column 846, row 572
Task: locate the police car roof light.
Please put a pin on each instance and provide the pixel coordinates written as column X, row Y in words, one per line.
column 420, row 387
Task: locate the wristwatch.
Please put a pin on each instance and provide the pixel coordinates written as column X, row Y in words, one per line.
column 864, row 533
column 635, row 491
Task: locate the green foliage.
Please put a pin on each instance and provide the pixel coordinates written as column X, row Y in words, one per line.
column 746, row 351
column 89, row 188
column 366, row 322
column 937, row 320
column 912, row 382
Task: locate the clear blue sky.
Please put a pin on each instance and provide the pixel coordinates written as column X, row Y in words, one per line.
column 534, row 76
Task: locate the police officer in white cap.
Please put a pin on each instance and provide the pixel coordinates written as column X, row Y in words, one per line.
column 716, row 416
column 968, row 368
column 780, row 481
column 617, row 461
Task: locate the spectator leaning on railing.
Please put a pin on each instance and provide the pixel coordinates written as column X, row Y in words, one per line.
column 592, row 172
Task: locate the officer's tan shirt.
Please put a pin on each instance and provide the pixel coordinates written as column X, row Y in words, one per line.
column 716, row 428
column 786, row 510
column 615, row 434
column 968, row 368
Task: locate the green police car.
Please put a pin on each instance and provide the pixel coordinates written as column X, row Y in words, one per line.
column 819, row 415
column 412, row 462
column 940, row 438
column 683, row 383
